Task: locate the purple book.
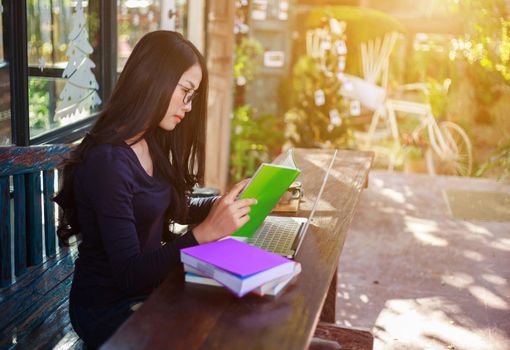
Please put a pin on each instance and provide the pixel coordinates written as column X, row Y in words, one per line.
column 237, row 265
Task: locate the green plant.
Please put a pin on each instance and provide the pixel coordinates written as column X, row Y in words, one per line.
column 430, row 59
column 307, row 123
column 326, row 124
column 38, row 97
column 437, row 96
column 487, row 39
column 413, row 152
column 253, row 140
column 248, row 55
column 498, row 163
column 477, row 62
column 413, row 147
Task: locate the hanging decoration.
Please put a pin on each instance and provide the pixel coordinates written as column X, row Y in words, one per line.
column 332, row 58
column 355, row 108
column 334, row 117
column 318, row 116
column 42, row 64
column 80, row 91
column 320, row 98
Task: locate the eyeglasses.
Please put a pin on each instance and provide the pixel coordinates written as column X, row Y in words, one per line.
column 189, row 94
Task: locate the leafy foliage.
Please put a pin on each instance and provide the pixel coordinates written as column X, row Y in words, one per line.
column 477, row 63
column 498, row 163
column 308, row 125
column 38, row 95
column 253, row 140
column 487, row 38
column 247, row 59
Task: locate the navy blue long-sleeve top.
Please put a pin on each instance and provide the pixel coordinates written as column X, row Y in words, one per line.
column 121, row 212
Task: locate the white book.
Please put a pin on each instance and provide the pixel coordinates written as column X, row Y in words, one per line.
column 271, row 288
column 199, row 279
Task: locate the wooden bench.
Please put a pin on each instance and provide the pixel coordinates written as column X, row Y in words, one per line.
column 36, row 272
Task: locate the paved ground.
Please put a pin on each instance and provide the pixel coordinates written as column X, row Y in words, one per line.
column 419, row 278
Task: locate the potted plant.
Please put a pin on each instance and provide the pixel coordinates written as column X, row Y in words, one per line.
column 414, row 155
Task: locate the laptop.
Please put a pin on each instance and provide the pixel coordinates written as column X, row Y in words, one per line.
column 283, row 235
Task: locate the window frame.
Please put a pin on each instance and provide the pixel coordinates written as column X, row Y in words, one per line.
column 15, row 26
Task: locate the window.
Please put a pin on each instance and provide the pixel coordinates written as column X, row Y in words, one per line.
column 5, row 93
column 181, row 17
column 134, row 19
column 67, row 64
column 138, row 17
column 63, row 49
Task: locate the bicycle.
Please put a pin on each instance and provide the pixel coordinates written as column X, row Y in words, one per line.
column 451, row 146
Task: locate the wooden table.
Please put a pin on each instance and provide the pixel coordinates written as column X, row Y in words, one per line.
column 187, row 316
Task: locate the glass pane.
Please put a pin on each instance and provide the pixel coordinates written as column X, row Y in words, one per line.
column 43, row 94
column 138, row 17
column 63, row 57
column 135, row 18
column 5, row 94
column 181, row 17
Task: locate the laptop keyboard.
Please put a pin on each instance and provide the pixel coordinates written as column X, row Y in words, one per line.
column 277, row 235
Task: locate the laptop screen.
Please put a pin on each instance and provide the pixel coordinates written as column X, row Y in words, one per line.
column 312, row 212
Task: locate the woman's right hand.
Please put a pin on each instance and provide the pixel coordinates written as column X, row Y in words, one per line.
column 227, row 215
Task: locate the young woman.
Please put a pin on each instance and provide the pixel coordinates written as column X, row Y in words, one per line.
column 132, row 174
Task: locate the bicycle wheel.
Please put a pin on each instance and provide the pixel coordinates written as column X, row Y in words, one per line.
column 452, row 148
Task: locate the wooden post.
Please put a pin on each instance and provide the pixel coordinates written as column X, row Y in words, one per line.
column 220, row 48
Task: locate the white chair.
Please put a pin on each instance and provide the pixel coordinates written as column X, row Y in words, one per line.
column 371, row 89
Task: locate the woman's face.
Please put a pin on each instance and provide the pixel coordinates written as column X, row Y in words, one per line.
column 188, row 84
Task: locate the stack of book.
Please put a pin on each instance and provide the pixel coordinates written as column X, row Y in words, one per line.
column 238, row 266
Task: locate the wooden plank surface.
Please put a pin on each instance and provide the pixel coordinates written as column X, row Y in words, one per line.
column 187, row 316
column 34, row 220
column 328, row 313
column 34, row 316
column 49, row 212
column 37, row 281
column 55, row 332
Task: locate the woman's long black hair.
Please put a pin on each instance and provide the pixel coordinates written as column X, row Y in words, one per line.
column 137, row 105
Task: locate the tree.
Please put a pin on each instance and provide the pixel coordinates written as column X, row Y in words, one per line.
column 80, row 92
column 315, row 117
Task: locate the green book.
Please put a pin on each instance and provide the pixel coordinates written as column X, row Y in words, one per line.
column 267, row 186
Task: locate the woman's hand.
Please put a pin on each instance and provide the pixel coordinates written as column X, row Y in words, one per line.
column 227, row 215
